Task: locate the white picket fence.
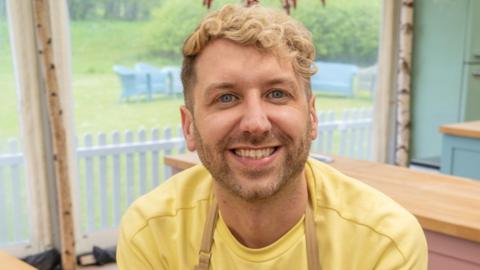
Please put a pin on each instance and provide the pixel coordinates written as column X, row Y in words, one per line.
column 115, row 169
column 14, row 226
column 113, row 173
column 348, row 134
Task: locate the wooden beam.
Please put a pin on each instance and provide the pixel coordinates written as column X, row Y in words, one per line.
column 43, row 35
column 404, row 84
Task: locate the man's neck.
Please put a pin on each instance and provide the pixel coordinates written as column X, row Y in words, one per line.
column 260, row 223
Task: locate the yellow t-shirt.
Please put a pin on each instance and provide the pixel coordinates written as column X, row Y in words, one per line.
column 357, row 228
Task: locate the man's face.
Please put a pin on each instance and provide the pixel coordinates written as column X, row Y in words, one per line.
column 252, row 123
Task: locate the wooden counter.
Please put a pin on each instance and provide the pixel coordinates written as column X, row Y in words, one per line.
column 10, row 262
column 447, row 207
column 466, row 129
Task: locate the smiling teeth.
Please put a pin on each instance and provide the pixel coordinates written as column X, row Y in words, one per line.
column 254, row 153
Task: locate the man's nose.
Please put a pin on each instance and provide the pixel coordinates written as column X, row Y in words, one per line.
column 255, row 118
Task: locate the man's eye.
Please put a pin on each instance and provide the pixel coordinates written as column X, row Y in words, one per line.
column 227, row 98
column 277, row 94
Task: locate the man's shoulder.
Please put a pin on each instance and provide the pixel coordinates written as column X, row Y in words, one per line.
column 351, row 197
column 351, row 201
column 182, row 191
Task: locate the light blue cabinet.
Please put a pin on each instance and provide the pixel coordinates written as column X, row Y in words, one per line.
column 445, row 58
column 461, row 156
column 461, row 149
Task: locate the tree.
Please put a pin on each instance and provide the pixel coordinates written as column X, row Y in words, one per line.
column 287, row 4
column 3, row 9
column 343, row 30
column 131, row 10
column 169, row 27
column 81, row 9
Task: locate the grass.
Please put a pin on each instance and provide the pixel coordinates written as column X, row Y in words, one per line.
column 98, row 107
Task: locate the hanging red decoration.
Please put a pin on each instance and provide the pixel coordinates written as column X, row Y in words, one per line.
column 207, row 3
column 251, row 2
column 287, row 4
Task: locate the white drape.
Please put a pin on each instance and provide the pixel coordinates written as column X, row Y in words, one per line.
column 384, row 105
column 32, row 107
column 32, row 123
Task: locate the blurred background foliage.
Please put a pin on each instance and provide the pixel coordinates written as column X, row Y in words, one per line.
column 343, row 31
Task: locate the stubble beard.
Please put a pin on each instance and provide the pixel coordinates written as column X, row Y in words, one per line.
column 214, row 159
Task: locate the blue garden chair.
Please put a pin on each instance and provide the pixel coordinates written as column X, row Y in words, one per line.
column 175, row 82
column 133, row 84
column 157, row 79
column 334, row 78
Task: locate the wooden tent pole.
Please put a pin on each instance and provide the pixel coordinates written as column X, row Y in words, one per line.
column 43, row 35
column 403, row 124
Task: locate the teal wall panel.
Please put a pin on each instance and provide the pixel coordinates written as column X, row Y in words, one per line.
column 440, row 85
column 471, row 92
column 472, row 52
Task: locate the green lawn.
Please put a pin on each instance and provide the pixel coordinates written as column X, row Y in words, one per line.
column 98, row 107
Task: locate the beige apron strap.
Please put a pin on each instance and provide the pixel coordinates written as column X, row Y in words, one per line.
column 311, row 238
column 207, row 238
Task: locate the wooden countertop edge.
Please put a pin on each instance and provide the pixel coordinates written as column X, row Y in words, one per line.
column 427, row 222
column 180, row 164
column 10, row 262
column 455, row 230
column 462, row 130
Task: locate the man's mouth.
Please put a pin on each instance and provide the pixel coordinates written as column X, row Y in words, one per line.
column 255, row 153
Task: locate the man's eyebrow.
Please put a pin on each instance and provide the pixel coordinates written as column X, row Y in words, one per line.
column 281, row 80
column 229, row 85
column 220, row 85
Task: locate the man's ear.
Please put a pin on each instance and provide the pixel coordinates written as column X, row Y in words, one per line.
column 187, row 127
column 313, row 116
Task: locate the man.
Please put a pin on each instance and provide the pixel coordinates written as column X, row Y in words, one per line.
column 259, row 202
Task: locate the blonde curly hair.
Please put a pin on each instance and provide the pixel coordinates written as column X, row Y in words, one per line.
column 265, row 28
